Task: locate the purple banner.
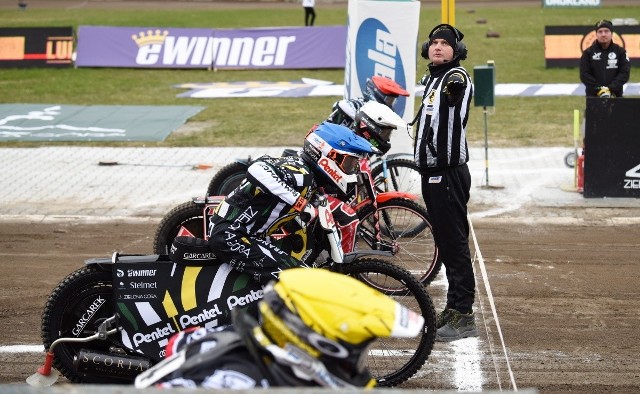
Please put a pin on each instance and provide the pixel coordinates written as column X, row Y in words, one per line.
column 138, row 47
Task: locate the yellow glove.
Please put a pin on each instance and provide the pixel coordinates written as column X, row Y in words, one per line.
column 604, row 92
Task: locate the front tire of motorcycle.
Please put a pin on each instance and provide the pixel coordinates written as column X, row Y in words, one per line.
column 188, row 215
column 393, row 361
column 75, row 309
column 227, row 179
column 408, row 225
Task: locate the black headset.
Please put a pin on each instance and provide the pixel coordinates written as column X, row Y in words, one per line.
column 459, row 52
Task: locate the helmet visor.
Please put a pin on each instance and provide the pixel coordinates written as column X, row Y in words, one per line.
column 349, row 164
column 385, row 133
column 390, row 100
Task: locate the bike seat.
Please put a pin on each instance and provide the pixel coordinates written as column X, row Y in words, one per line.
column 191, row 251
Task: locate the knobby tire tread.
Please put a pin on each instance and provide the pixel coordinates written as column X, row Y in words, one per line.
column 227, row 179
column 417, row 290
column 171, row 222
column 65, row 298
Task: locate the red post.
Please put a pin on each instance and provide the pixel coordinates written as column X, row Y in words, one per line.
column 580, row 167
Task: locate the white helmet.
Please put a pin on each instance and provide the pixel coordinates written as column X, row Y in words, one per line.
column 375, row 122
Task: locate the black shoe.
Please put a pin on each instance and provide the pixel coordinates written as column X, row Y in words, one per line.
column 458, row 326
column 443, row 317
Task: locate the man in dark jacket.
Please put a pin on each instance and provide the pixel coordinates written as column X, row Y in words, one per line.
column 604, row 66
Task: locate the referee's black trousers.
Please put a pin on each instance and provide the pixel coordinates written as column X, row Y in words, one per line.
column 446, row 193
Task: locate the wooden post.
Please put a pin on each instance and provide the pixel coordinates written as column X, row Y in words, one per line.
column 449, row 12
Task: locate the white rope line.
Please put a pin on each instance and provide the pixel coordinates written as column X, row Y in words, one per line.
column 485, row 278
column 488, row 332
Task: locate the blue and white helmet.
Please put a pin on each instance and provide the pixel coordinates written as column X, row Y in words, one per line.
column 337, row 151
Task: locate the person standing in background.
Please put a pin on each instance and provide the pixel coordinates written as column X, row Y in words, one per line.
column 309, row 12
column 604, row 66
column 441, row 153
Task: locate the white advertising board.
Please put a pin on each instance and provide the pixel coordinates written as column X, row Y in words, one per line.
column 382, row 40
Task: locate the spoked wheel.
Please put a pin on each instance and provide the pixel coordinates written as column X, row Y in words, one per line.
column 227, row 179
column 402, row 176
column 188, row 215
column 404, row 227
column 75, row 309
column 393, row 361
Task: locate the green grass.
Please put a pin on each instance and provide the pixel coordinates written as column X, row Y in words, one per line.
column 518, row 54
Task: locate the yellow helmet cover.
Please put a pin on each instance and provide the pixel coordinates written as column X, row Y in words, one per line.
column 343, row 308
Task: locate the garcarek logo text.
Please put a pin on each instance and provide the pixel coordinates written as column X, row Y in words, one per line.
column 377, row 54
column 160, row 47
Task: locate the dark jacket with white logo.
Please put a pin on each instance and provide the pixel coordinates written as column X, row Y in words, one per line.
column 604, row 67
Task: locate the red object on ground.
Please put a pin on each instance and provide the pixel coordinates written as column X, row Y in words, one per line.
column 45, row 369
column 580, row 165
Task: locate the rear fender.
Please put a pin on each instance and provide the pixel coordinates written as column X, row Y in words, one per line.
column 209, row 200
column 386, row 196
column 353, row 256
column 106, row 263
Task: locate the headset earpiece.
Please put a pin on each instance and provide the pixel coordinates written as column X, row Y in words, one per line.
column 425, row 49
column 461, row 51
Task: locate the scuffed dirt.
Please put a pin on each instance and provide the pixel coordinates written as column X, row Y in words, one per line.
column 566, row 296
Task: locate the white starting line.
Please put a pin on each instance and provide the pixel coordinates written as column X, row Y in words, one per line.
column 22, row 349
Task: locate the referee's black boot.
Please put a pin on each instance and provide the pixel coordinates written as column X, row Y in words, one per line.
column 457, row 326
column 443, row 317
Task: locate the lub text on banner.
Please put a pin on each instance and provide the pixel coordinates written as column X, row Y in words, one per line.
column 36, row 46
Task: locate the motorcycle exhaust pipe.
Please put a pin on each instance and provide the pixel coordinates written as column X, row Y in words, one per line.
column 109, row 365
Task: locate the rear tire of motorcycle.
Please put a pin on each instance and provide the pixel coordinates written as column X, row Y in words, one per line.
column 189, row 215
column 66, row 307
column 410, row 255
column 227, row 179
column 404, row 176
column 414, row 297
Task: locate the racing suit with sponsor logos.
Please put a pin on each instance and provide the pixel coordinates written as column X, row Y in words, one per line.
column 234, row 357
column 223, row 361
column 272, row 195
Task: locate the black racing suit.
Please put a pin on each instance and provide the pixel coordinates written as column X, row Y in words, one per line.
column 442, row 154
column 262, row 204
column 604, row 67
column 241, row 356
column 226, row 358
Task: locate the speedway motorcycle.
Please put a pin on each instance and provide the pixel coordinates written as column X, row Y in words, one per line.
column 110, row 320
column 390, row 221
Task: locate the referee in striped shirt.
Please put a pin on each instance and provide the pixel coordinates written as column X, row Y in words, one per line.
column 442, row 154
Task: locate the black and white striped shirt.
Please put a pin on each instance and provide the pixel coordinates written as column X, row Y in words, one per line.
column 441, row 139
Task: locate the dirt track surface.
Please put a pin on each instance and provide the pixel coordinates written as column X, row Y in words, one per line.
column 566, row 298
